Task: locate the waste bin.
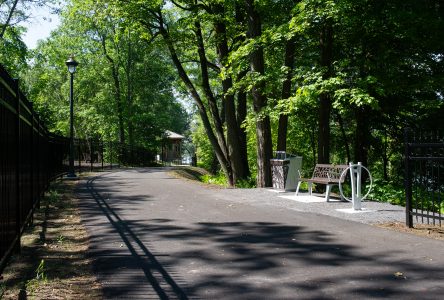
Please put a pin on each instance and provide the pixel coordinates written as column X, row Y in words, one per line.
column 284, row 169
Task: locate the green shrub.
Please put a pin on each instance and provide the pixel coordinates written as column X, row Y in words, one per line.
column 390, row 192
column 218, row 179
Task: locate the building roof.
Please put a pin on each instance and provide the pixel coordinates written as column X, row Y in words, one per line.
column 173, row 136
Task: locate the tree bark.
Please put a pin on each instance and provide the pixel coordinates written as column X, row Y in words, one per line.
column 233, row 141
column 263, row 128
column 344, row 136
column 361, row 136
column 129, row 99
column 313, row 145
column 325, row 103
column 241, row 116
column 286, row 93
column 212, row 103
column 117, row 92
column 241, row 107
column 385, row 156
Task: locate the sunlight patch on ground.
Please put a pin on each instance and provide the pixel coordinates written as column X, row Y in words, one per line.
column 307, row 198
column 352, row 211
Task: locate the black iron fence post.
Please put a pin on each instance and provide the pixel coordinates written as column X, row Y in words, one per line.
column 17, row 168
column 91, row 154
column 111, row 154
column 79, row 154
column 101, row 154
column 408, row 180
column 38, row 150
column 71, row 127
column 31, row 154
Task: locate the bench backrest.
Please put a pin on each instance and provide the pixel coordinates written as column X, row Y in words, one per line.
column 327, row 171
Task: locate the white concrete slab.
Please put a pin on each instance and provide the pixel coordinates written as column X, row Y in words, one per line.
column 352, row 211
column 276, row 191
column 307, row 198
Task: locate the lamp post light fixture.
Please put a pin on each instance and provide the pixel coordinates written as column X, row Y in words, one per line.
column 72, row 65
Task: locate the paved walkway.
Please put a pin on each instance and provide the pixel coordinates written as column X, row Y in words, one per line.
column 158, row 237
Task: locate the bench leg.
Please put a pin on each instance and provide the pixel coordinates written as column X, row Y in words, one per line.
column 297, row 188
column 310, row 188
column 327, row 192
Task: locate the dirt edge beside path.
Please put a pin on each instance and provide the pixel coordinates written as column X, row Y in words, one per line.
column 426, row 230
column 53, row 263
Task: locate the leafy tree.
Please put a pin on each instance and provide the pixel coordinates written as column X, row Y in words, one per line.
column 13, row 51
column 113, row 61
column 14, row 12
column 182, row 28
column 333, row 80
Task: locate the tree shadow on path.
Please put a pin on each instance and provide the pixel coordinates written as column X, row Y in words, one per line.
column 249, row 260
column 110, row 260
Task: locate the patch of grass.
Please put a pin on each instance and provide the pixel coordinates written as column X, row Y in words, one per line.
column 40, row 271
column 2, row 289
column 60, row 239
column 247, row 183
column 39, row 279
column 304, row 186
column 218, row 179
column 52, row 196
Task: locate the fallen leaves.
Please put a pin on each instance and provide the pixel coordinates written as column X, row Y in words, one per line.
column 399, row 275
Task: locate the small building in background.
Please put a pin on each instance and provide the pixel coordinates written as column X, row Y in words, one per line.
column 172, row 147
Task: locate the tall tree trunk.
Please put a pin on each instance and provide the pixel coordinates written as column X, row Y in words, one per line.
column 117, row 94
column 241, row 116
column 325, row 103
column 263, row 128
column 212, row 103
column 233, row 141
column 361, row 136
column 324, row 129
column 344, row 136
column 385, row 156
column 362, row 115
column 241, row 107
column 129, row 99
column 226, row 167
column 286, row 93
column 313, row 145
column 118, row 97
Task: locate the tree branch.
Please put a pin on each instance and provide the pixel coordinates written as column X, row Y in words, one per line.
column 11, row 12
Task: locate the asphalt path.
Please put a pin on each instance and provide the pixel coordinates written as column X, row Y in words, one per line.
column 158, row 237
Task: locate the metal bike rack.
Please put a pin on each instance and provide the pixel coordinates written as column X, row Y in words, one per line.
column 355, row 178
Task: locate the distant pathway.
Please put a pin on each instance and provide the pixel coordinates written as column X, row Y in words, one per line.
column 158, row 237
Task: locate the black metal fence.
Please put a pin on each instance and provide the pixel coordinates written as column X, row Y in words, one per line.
column 424, row 177
column 90, row 155
column 30, row 157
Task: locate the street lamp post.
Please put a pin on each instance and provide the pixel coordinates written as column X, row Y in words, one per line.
column 72, row 65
